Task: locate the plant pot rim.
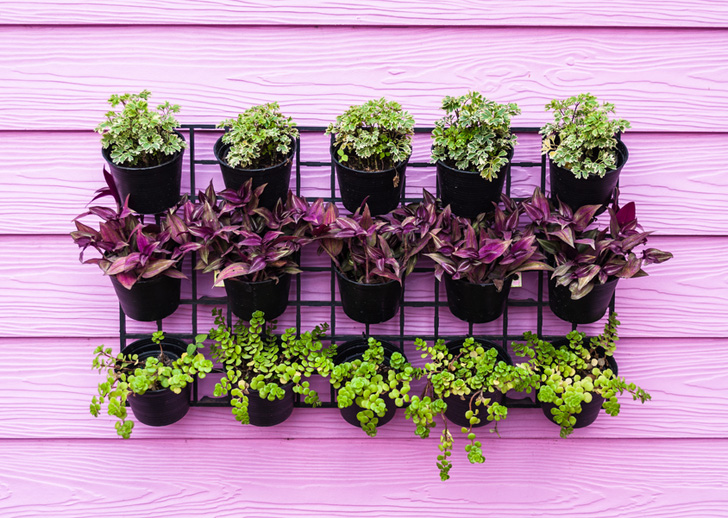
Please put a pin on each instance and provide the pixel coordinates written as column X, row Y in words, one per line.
column 507, row 280
column 342, row 275
column 441, row 163
column 265, row 281
column 622, row 157
column 398, row 165
column 177, row 342
column 141, row 280
column 220, row 146
column 106, row 153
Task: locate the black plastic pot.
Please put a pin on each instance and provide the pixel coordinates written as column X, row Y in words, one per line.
column 276, row 177
column 467, row 193
column 353, row 350
column 594, row 190
column 244, row 298
column 476, row 303
column 262, row 412
column 369, row 303
column 457, row 406
column 159, row 407
column 384, row 188
column 149, row 299
column 151, row 189
column 585, row 310
column 589, row 411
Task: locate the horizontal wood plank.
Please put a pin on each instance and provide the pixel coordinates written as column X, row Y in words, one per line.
column 362, row 478
column 591, row 13
column 60, row 78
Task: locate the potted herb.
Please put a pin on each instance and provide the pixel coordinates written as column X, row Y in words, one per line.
column 252, row 249
column 578, row 377
column 144, row 152
column 371, row 146
column 371, row 379
column 479, row 259
column 473, row 147
column 585, row 151
column 142, row 259
column 588, row 261
column 263, row 371
column 153, row 375
column 258, row 145
column 466, row 382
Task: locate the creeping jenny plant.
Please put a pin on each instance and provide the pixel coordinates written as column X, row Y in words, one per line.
column 260, row 137
column 571, row 375
column 582, row 138
column 474, row 135
column 138, row 136
column 126, row 375
column 473, row 373
column 374, row 136
column 253, row 358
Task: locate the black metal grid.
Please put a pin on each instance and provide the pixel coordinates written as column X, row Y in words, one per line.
column 299, row 304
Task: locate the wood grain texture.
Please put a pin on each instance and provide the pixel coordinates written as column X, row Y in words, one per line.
column 362, row 478
column 643, row 13
column 50, row 400
column 60, row 78
column 61, row 171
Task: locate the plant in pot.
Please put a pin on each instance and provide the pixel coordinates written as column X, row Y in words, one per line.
column 466, row 383
column 588, row 261
column 262, row 371
column 473, row 147
column 371, row 256
column 578, row 376
column 142, row 259
column 153, row 375
column 144, row 152
column 252, row 249
column 479, row 259
column 258, row 145
column 585, row 150
column 371, row 146
column 371, row 379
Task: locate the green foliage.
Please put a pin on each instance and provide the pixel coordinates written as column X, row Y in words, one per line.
column 474, row 135
column 374, row 136
column 570, row 376
column 126, row 374
column 473, row 373
column 366, row 381
column 582, row 138
column 138, row 136
column 260, row 137
column 254, row 358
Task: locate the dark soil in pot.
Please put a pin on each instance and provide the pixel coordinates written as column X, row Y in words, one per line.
column 476, row 303
column 457, row 406
column 149, row 299
column 467, row 193
column 585, row 310
column 159, row 407
column 152, row 189
column 383, row 188
column 244, row 298
column 369, row 303
column 277, row 176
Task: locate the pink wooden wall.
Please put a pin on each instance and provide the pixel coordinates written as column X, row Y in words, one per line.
column 662, row 63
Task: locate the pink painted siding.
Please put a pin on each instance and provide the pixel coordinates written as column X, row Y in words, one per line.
column 660, row 62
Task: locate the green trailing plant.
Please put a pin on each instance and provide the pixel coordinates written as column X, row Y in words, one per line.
column 126, row 375
column 572, row 375
column 582, row 138
column 137, row 135
column 367, row 381
column 259, row 137
column 254, row 358
column 474, row 135
column 473, row 373
column 374, row 136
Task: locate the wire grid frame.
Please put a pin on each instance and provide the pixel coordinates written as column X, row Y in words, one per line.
column 196, row 302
